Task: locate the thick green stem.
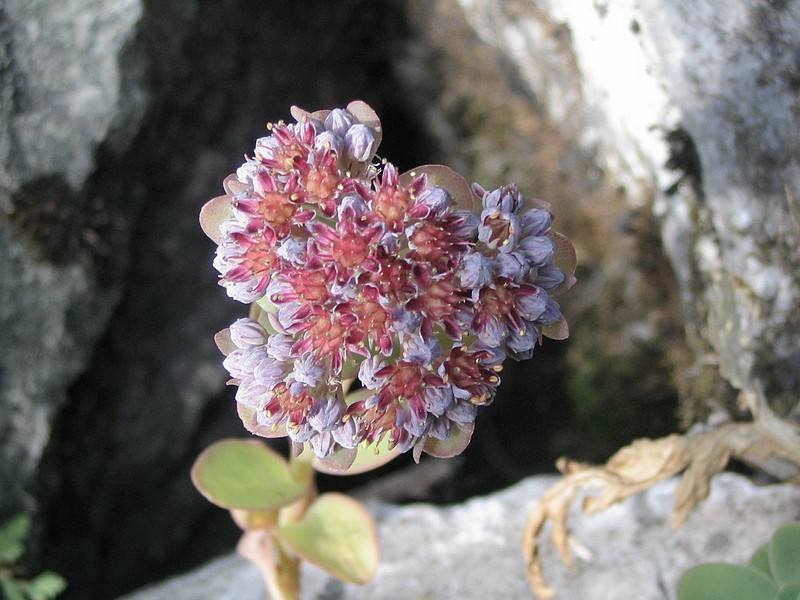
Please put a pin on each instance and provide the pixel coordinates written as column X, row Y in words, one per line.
column 286, row 584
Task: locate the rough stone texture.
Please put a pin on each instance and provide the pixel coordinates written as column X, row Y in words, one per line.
column 119, row 119
column 471, row 550
column 720, row 81
column 617, row 367
column 63, row 93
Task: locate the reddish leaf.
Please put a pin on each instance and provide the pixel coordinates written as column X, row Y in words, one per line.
column 565, row 257
column 445, row 177
column 558, row 330
column 224, row 342
column 452, row 446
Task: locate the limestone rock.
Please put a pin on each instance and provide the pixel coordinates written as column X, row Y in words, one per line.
column 702, row 93
column 64, row 94
column 119, row 119
column 471, row 551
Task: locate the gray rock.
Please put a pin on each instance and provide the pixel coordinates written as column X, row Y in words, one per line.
column 64, row 92
column 702, row 92
column 472, row 550
column 118, row 119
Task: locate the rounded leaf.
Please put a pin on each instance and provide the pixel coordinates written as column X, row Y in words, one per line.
column 13, row 535
column 224, row 342
column 12, row 590
column 337, row 462
column 452, row 446
column 718, row 581
column 338, row 535
column 245, row 474
column 249, row 417
column 354, row 461
column 445, row 177
column 46, row 585
column 366, row 115
column 784, row 554
column 760, row 560
column 564, row 255
column 213, row 213
column 557, row 330
column 788, row 591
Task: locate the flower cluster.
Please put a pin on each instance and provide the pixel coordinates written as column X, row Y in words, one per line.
column 418, row 284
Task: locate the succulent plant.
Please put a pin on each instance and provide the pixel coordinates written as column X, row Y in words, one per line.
column 45, row 586
column 285, row 521
column 773, row 573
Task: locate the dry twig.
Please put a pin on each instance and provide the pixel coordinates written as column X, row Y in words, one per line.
column 634, row 468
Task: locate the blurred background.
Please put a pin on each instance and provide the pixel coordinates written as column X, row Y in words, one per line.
column 119, row 119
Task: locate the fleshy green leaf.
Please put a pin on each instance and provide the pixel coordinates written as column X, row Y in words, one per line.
column 245, row 474
column 45, row 586
column 11, row 589
column 453, row 446
column 336, row 463
column 338, row 535
column 213, row 213
column 788, row 591
column 718, row 581
column 784, row 554
column 12, row 538
column 353, row 461
column 760, row 560
column 558, row 330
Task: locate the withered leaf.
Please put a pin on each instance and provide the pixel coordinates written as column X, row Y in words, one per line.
column 634, row 468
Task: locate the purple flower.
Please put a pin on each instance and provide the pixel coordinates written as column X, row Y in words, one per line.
column 519, row 345
column 353, row 265
column 548, row 277
column 248, row 332
column 499, row 230
column 310, row 371
column 477, row 270
column 536, row 222
column 326, row 413
column 323, row 444
column 360, row 142
column 242, row 362
column 279, row 346
column 368, row 372
column 251, row 392
column 512, row 265
column 538, row 250
column 339, row 121
column 328, row 140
